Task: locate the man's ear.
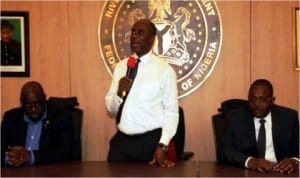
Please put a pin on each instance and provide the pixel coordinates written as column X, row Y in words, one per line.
column 273, row 100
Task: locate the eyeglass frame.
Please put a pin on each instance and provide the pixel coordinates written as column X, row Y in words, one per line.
column 37, row 104
column 260, row 99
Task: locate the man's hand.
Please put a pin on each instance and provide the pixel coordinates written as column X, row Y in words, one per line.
column 159, row 158
column 17, row 156
column 124, row 86
column 287, row 165
column 261, row 165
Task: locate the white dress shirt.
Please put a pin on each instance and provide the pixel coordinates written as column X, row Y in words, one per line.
column 152, row 101
column 270, row 153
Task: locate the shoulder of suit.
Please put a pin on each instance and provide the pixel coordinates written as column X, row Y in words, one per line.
column 14, row 110
column 283, row 110
column 13, row 114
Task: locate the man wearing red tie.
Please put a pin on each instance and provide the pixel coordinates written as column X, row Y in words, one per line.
column 143, row 95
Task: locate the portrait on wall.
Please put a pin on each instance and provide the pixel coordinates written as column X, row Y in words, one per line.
column 14, row 44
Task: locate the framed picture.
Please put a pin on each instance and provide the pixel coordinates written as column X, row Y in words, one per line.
column 14, row 44
column 297, row 38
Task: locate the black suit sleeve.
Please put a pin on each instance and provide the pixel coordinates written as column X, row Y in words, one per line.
column 13, row 130
column 295, row 136
column 238, row 142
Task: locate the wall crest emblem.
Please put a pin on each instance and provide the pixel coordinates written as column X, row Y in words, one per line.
column 189, row 36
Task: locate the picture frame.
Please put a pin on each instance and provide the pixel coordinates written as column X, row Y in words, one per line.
column 297, row 38
column 15, row 44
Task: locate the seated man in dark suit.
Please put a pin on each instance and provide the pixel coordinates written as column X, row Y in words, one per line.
column 36, row 132
column 275, row 147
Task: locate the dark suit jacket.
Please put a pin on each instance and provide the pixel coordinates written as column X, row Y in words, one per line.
column 239, row 140
column 56, row 137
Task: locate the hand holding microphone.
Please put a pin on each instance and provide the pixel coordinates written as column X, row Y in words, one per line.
column 124, row 86
column 126, row 81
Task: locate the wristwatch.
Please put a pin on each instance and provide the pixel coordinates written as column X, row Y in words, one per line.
column 163, row 147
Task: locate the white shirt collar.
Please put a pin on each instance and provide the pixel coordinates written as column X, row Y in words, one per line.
column 145, row 58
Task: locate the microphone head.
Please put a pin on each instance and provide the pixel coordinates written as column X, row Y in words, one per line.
column 131, row 62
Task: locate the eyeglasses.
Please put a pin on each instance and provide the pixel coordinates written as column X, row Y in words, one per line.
column 253, row 99
column 37, row 104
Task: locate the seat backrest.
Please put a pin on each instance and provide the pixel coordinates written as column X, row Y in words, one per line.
column 231, row 104
column 179, row 137
column 71, row 104
column 219, row 120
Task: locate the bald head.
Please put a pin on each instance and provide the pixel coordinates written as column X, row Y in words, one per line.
column 33, row 99
column 148, row 24
column 264, row 83
column 32, row 87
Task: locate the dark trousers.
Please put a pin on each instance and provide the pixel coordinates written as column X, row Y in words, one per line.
column 140, row 147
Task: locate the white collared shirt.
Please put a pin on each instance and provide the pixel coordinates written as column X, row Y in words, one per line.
column 270, row 153
column 152, row 101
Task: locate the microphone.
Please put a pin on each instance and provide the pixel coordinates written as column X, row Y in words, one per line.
column 130, row 70
column 130, row 66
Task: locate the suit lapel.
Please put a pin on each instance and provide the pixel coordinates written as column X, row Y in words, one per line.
column 251, row 133
column 276, row 134
column 22, row 128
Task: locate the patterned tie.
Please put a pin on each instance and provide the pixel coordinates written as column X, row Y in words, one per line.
column 132, row 76
column 261, row 141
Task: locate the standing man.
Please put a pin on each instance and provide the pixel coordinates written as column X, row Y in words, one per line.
column 10, row 48
column 36, row 132
column 262, row 136
column 149, row 114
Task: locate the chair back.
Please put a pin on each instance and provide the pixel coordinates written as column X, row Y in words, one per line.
column 71, row 104
column 179, row 138
column 219, row 120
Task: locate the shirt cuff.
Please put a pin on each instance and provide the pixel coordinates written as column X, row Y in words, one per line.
column 164, row 139
column 32, row 158
column 247, row 160
column 6, row 162
column 297, row 161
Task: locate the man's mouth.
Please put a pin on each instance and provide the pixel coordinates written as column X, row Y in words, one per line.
column 257, row 112
column 135, row 45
